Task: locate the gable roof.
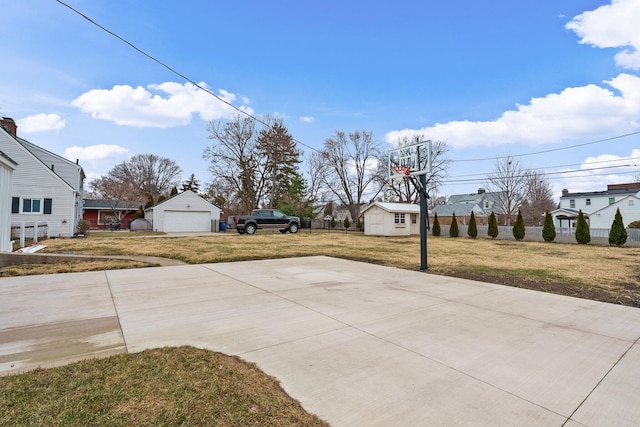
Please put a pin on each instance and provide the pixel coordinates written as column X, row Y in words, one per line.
column 66, row 169
column 395, row 207
column 180, row 195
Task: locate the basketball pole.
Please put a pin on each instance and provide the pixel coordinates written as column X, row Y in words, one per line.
column 423, row 222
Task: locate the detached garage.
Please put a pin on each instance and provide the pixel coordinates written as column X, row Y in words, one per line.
column 184, row 213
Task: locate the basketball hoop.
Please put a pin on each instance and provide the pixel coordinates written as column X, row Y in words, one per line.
column 400, row 170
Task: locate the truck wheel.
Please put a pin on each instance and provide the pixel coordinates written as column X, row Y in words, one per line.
column 250, row 229
column 293, row 227
column 284, row 230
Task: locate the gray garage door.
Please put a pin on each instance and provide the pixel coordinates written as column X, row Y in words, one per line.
column 187, row 221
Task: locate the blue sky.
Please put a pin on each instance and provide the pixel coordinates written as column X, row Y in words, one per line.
column 489, row 78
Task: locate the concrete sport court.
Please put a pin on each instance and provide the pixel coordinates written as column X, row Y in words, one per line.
column 355, row 343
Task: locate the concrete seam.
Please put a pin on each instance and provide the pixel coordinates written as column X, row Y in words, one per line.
column 602, row 379
column 115, row 308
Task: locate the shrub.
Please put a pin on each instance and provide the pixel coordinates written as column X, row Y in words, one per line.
column 548, row 229
column 583, row 235
column 346, row 224
column 332, row 223
column 359, row 225
column 493, row 226
column 473, row 228
column 634, row 224
column 83, row 227
column 518, row 227
column 453, row 230
column 435, row 229
column 617, row 234
column 174, row 191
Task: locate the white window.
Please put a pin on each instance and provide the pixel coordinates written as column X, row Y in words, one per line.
column 631, row 202
column 588, row 202
column 399, row 218
column 612, row 200
column 414, row 219
column 31, row 205
column 572, row 204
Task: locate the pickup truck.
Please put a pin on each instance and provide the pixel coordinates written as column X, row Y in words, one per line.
column 264, row 218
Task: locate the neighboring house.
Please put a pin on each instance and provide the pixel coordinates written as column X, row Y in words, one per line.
column 599, row 207
column 391, row 219
column 46, row 188
column 480, row 203
column 7, row 166
column 185, row 212
column 102, row 215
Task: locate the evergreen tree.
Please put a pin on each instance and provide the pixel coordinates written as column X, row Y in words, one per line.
column 453, row 230
column 548, row 229
column 435, row 229
column 583, row 235
column 174, row 191
column 493, row 226
column 617, row 234
column 191, row 184
column 518, row 227
column 359, row 225
column 149, row 201
column 161, row 199
column 473, row 228
column 281, row 158
column 332, row 223
column 346, row 224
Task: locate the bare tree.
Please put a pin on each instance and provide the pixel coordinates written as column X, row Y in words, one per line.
column 404, row 191
column 349, row 167
column 538, row 198
column 234, row 163
column 120, row 196
column 508, row 182
column 140, row 176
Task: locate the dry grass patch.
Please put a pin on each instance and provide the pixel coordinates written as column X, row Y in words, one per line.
column 160, row 387
column 69, row 267
column 596, row 272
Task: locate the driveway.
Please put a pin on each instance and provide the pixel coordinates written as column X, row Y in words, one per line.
column 355, row 343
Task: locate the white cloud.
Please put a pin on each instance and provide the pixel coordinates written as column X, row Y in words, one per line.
column 612, row 26
column 307, row 119
column 579, row 112
column 140, row 107
column 596, row 172
column 41, row 123
column 95, row 152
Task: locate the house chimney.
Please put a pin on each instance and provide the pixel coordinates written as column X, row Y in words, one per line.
column 9, row 125
column 565, row 191
column 481, row 191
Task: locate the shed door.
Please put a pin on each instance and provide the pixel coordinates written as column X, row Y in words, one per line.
column 187, row 222
column 376, row 227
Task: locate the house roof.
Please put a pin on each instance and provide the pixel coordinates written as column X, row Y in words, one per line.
column 395, row 207
column 108, row 204
column 608, row 192
column 179, row 195
column 10, row 161
column 565, row 213
column 48, row 158
column 458, row 209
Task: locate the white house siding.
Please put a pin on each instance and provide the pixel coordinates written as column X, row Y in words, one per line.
column 32, row 180
column 629, row 209
column 6, row 176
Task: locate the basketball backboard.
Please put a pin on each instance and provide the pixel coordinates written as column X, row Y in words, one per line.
column 413, row 159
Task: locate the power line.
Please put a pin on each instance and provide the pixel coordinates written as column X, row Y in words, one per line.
column 172, row 70
column 550, row 150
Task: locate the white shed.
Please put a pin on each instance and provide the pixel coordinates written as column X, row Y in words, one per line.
column 185, row 212
column 391, row 219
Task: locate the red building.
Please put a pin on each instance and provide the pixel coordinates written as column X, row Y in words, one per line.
column 102, row 215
